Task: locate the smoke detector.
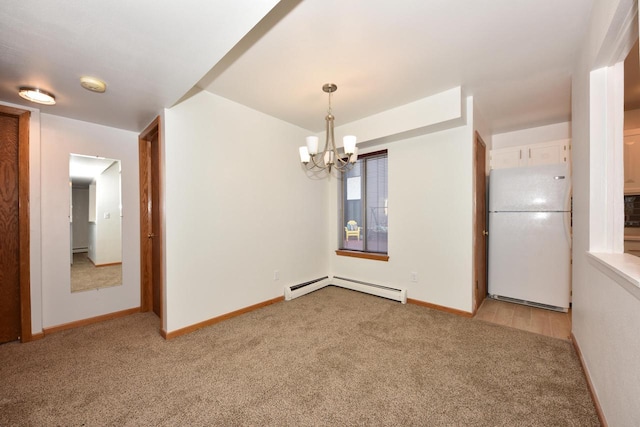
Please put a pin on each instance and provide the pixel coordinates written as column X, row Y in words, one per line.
column 93, row 84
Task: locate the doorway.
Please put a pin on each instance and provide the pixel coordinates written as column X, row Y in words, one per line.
column 151, row 294
column 480, row 230
column 15, row 292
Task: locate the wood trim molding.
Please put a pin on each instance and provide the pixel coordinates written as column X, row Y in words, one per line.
column 365, row 255
column 209, row 322
column 37, row 336
column 592, row 392
column 439, row 307
column 24, row 218
column 146, row 173
column 145, row 284
column 91, row 320
column 13, row 111
column 478, row 141
column 109, row 264
column 25, row 225
column 151, row 130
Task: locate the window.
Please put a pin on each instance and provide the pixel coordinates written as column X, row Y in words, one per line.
column 364, row 222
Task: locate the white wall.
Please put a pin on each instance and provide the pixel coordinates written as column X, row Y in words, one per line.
column 430, row 219
column 606, row 317
column 60, row 138
column 238, row 206
column 418, row 117
column 482, row 127
column 108, row 221
column 80, row 212
column 547, row 133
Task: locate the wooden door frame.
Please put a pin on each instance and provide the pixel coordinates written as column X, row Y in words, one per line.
column 24, row 216
column 476, row 290
column 146, row 285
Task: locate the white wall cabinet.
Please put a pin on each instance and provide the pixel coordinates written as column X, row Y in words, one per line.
column 544, row 153
column 632, row 162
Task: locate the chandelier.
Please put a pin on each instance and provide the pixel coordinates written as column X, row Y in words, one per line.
column 329, row 157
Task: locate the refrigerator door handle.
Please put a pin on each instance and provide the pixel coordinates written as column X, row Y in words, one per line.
column 567, row 228
column 567, row 215
column 568, row 194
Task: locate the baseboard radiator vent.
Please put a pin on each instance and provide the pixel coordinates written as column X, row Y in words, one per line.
column 397, row 294
column 295, row 291
column 529, row 303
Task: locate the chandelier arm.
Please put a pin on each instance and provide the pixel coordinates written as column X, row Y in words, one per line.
column 340, row 162
column 313, row 164
column 342, row 165
column 343, row 161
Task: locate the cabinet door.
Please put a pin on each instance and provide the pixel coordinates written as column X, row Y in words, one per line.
column 547, row 154
column 507, row 158
column 632, row 164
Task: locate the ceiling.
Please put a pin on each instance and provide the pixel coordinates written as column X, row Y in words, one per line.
column 83, row 170
column 149, row 54
column 514, row 57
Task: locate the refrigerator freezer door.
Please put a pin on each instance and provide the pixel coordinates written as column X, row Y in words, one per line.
column 529, row 257
column 530, row 189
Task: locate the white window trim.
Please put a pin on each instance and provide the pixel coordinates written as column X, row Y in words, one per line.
column 606, row 224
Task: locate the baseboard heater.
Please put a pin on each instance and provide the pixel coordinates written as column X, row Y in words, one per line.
column 529, row 303
column 295, row 291
column 397, row 294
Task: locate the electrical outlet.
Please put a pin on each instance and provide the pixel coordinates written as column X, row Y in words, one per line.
column 276, row 275
column 414, row 276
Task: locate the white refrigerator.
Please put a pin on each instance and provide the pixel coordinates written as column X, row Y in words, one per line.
column 530, row 235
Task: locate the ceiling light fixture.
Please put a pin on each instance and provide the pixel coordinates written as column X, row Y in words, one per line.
column 37, row 95
column 93, row 84
column 330, row 157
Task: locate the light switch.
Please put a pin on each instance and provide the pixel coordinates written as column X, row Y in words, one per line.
column 107, row 215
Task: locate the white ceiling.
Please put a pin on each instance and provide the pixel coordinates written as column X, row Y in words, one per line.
column 514, row 56
column 84, row 169
column 149, row 53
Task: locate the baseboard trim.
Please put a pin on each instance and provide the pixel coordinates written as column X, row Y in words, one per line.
column 439, row 307
column 37, row 336
column 89, row 321
column 213, row 321
column 592, row 392
column 109, row 264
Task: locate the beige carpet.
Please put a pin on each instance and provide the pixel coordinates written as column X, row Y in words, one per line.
column 86, row 276
column 331, row 358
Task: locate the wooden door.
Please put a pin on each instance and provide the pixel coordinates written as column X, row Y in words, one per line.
column 480, row 239
column 15, row 308
column 150, row 220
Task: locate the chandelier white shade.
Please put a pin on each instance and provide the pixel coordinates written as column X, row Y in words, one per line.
column 329, row 158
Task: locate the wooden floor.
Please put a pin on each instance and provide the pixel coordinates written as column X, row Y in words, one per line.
column 537, row 320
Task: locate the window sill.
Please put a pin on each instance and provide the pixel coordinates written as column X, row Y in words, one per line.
column 365, row 255
column 623, row 268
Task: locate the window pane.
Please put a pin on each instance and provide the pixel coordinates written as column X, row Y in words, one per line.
column 364, row 225
column 376, row 200
column 352, row 237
